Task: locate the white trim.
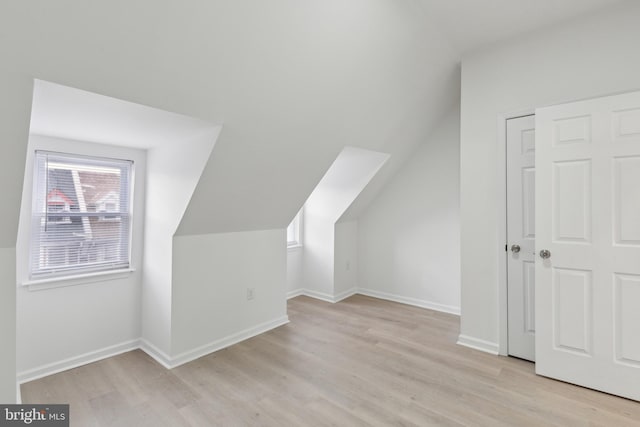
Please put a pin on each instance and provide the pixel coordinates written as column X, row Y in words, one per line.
column 155, row 353
column 478, row 344
column 75, row 361
column 18, row 394
column 375, row 294
column 318, row 295
column 230, row 340
column 501, row 203
column 411, row 301
column 345, row 294
column 322, row 296
column 295, row 293
column 79, row 279
column 188, row 356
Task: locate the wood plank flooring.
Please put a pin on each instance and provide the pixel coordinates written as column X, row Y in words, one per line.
column 361, row 362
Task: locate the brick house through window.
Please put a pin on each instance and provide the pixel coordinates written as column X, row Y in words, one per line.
column 84, row 222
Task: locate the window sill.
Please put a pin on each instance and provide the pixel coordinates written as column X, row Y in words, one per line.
column 293, row 247
column 80, row 279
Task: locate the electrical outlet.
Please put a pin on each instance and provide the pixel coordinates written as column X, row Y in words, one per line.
column 251, row 293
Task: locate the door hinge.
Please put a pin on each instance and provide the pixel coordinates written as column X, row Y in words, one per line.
column 506, row 248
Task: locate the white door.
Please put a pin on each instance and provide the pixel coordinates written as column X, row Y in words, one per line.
column 521, row 235
column 588, row 218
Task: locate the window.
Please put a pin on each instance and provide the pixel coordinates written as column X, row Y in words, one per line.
column 109, row 204
column 294, row 237
column 58, row 203
column 81, row 215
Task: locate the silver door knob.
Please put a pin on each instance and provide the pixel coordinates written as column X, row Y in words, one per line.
column 515, row 248
column 544, row 254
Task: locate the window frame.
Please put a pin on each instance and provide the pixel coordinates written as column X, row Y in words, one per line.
column 296, row 227
column 39, row 215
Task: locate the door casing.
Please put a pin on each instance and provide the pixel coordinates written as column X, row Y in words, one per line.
column 501, row 203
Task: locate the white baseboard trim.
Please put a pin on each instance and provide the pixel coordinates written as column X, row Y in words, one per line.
column 478, row 344
column 155, row 353
column 188, row 356
column 321, row 295
column 345, row 294
column 318, row 295
column 410, row 301
column 230, row 340
column 74, row 362
column 375, row 294
column 295, row 293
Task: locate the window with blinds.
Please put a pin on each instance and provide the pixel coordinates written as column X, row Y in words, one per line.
column 81, row 215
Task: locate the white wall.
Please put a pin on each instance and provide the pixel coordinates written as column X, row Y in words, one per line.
column 583, row 58
column 211, row 274
column 173, row 171
column 345, row 270
column 317, row 258
column 294, row 269
column 59, row 325
column 8, row 325
column 408, row 239
column 344, row 180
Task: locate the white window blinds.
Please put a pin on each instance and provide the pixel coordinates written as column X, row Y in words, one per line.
column 81, row 219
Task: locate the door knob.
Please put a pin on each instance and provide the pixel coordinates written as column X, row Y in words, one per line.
column 544, row 254
column 515, row 248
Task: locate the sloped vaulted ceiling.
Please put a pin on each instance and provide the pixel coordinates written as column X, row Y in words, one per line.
column 320, row 76
column 470, row 24
column 293, row 81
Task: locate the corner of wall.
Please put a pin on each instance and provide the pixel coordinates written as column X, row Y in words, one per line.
column 173, row 172
column 409, row 236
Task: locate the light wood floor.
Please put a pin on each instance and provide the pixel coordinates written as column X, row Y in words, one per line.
column 361, row 362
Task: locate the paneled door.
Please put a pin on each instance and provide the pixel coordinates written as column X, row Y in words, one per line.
column 588, row 243
column 521, row 234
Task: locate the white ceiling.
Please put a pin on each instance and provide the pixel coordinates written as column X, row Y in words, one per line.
column 347, row 176
column 71, row 113
column 470, row 24
column 295, row 81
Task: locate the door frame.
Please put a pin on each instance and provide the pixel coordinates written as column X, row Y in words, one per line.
column 501, row 203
